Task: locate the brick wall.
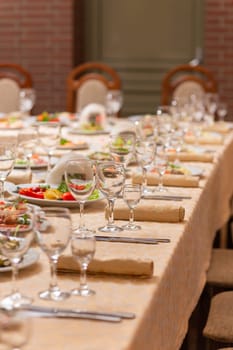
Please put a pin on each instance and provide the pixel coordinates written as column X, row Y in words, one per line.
column 39, row 36
column 218, row 46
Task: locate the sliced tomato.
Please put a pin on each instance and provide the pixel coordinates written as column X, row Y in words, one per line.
column 67, row 196
column 28, row 192
column 78, row 187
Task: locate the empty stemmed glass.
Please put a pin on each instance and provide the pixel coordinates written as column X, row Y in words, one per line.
column 83, row 249
column 80, row 180
column 15, row 240
column 27, row 98
column 211, row 102
column 110, row 180
column 15, row 330
column 122, row 146
column 49, row 137
column 114, row 102
column 222, row 111
column 160, row 165
column 145, row 151
column 53, row 232
column 132, row 195
column 7, row 159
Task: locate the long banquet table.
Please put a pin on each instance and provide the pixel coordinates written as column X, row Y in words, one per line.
column 163, row 303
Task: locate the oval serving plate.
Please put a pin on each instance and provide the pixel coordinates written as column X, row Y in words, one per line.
column 50, row 202
column 30, row 258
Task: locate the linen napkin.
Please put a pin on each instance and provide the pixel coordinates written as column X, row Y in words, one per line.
column 220, row 127
column 55, row 176
column 191, row 157
column 20, row 176
column 149, row 210
column 109, row 264
column 205, row 139
column 168, row 180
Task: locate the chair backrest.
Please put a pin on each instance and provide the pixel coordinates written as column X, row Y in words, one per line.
column 13, row 77
column 89, row 83
column 185, row 80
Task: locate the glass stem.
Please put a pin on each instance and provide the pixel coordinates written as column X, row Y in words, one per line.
column 131, row 216
column 1, row 189
column 81, row 215
column 144, row 177
column 83, row 277
column 160, row 184
column 14, row 277
column 53, row 273
column 111, row 213
column 49, row 161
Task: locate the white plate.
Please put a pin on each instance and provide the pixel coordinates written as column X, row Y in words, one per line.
column 30, row 258
column 89, row 132
column 83, row 145
column 194, row 171
column 51, row 202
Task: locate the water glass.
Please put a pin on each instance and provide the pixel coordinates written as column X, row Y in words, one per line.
column 49, row 138
column 122, row 146
column 83, row 249
column 132, row 195
column 7, row 160
column 53, row 233
column 110, row 180
column 222, row 111
column 27, row 98
column 14, row 243
column 80, row 180
column 114, row 102
column 160, row 165
column 145, row 151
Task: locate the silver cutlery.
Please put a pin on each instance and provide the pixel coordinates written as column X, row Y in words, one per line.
column 123, row 239
column 64, row 312
column 167, row 197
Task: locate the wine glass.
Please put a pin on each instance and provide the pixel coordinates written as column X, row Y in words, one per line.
column 146, row 127
column 145, row 151
column 211, row 102
column 160, row 165
column 49, row 137
column 83, row 249
column 222, row 111
column 7, row 159
column 122, row 146
column 80, row 180
column 132, row 195
column 27, row 98
column 15, row 329
column 177, row 141
column 53, row 232
column 114, row 102
column 110, row 180
column 15, row 240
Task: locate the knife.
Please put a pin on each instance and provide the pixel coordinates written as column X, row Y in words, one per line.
column 166, row 198
column 121, row 239
column 76, row 312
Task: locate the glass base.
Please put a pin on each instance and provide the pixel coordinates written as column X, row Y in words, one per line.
column 147, row 190
column 78, row 230
column 54, row 295
column 15, row 300
column 131, row 227
column 160, row 189
column 82, row 292
column 110, row 228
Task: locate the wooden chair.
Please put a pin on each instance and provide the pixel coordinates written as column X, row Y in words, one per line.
column 13, row 77
column 185, row 80
column 219, row 325
column 88, row 83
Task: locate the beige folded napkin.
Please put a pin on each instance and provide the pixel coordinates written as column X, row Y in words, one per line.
column 221, row 127
column 56, row 175
column 168, row 180
column 110, row 265
column 20, row 176
column 191, row 157
column 149, row 210
column 205, row 139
